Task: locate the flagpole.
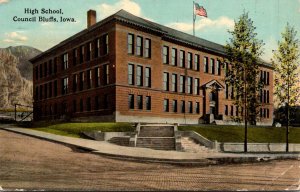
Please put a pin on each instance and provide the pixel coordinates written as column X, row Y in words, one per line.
column 194, row 18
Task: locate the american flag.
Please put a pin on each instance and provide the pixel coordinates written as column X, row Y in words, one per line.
column 199, row 10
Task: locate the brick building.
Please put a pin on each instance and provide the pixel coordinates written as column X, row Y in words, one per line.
column 127, row 69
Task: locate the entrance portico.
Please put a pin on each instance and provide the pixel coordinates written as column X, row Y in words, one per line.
column 211, row 104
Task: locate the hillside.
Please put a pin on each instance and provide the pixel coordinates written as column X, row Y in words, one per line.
column 23, row 54
column 16, row 76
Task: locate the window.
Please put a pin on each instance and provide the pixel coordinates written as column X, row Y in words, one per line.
column 106, row 74
column 97, row 77
column 89, row 51
column 196, row 62
column 148, row 103
column 190, row 61
column 89, row 79
column 197, row 108
column 50, row 67
column 81, row 76
column 41, row 71
column 231, row 110
column 139, row 46
column 148, row 77
column 174, row 104
column 81, row 105
column 265, row 96
column 131, row 101
column 139, row 75
column 182, row 106
column 226, row 69
column 74, row 56
column 97, row 48
column 226, row 110
column 268, row 78
column 226, row 91
column 205, row 65
column 189, row 85
column 166, row 82
column 174, row 82
column 130, row 43
column 65, row 82
column 268, row 97
column 55, row 65
column 182, row 58
column 236, row 110
column 46, row 90
column 265, row 77
column 41, row 92
column 55, row 88
column 212, row 66
column 50, row 89
column 81, row 53
column 218, row 67
column 75, row 82
column 268, row 113
column 166, row 105
column 140, row 101
column 74, row 106
column 190, row 106
column 105, row 47
column 97, row 103
column 65, row 61
column 174, row 57
column 45, row 69
column 36, row 72
column 232, row 92
column 130, row 74
column 196, row 86
column 165, row 54
column 106, row 101
column 88, row 104
column 181, row 84
column 147, row 48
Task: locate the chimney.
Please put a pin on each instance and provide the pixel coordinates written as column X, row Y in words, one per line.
column 91, row 18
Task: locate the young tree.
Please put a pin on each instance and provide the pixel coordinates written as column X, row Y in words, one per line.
column 243, row 51
column 286, row 62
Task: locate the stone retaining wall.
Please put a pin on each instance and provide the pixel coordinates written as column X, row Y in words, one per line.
column 258, row 147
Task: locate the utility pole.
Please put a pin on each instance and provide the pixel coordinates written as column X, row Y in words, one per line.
column 287, row 112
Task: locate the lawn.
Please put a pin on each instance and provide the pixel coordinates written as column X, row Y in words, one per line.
column 221, row 133
column 75, row 129
column 229, row 133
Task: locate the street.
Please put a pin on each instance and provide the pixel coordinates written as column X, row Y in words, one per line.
column 29, row 163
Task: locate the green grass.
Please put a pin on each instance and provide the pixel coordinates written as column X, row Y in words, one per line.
column 225, row 133
column 229, row 133
column 76, row 129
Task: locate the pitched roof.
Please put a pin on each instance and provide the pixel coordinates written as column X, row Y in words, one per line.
column 166, row 32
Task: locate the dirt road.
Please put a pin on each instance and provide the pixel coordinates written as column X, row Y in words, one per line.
column 30, row 163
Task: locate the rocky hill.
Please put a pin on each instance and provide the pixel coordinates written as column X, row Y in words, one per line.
column 16, row 75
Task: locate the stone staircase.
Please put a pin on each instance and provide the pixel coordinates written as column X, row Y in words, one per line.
column 159, row 137
column 190, row 145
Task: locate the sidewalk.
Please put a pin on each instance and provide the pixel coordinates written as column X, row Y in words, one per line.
column 144, row 154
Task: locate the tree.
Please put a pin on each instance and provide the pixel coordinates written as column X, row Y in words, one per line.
column 243, row 51
column 286, row 61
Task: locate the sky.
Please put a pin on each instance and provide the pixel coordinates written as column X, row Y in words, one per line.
column 269, row 17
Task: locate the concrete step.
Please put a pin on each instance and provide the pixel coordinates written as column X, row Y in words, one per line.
column 123, row 141
column 189, row 145
column 161, row 143
column 156, row 131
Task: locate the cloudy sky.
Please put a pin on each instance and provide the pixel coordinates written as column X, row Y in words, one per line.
column 269, row 16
